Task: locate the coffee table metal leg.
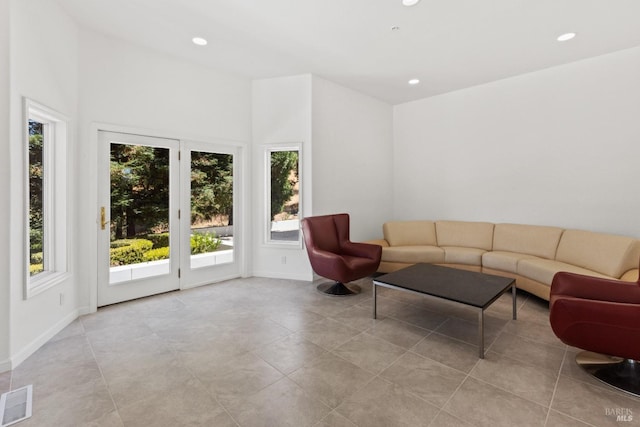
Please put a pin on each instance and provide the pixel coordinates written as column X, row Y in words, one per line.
column 513, row 294
column 481, row 333
column 374, row 300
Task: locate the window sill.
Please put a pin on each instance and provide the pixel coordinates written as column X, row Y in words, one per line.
column 41, row 284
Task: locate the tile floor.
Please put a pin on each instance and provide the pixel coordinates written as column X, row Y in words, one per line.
column 266, row 352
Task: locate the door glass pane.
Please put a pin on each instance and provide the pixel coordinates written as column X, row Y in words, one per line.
column 139, row 241
column 211, row 209
column 284, row 196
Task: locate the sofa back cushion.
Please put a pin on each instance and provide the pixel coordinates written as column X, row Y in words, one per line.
column 605, row 253
column 410, row 233
column 465, row 234
column 537, row 240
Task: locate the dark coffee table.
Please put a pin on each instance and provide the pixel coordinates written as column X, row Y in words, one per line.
column 477, row 290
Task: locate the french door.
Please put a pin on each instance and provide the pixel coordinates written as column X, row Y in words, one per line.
column 210, row 233
column 166, row 215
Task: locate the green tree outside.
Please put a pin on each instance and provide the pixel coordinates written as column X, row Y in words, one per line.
column 211, row 186
column 284, row 164
column 36, row 196
column 139, row 188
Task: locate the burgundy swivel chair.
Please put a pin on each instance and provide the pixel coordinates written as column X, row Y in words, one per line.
column 334, row 256
column 601, row 316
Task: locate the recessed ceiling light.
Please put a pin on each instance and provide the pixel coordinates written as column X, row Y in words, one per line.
column 566, row 36
column 414, row 81
column 199, row 41
column 410, row 2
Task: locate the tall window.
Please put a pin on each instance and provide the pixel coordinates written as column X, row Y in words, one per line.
column 283, row 194
column 46, row 183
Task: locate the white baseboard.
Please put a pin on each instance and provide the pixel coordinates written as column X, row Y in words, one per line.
column 86, row 310
column 5, row 365
column 209, row 282
column 34, row 345
column 280, row 275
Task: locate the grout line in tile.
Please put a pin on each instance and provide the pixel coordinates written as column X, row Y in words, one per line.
column 510, row 392
column 104, row 380
column 555, row 387
column 224, row 408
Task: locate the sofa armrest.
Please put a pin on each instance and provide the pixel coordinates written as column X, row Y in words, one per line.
column 379, row 242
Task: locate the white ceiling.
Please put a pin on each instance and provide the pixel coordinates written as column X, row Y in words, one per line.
column 447, row 44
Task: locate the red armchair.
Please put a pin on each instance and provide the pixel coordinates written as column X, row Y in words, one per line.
column 334, row 256
column 601, row 316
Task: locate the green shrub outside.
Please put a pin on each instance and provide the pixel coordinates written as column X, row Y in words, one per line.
column 160, row 240
column 35, row 269
column 121, row 243
column 36, row 258
column 133, row 251
column 157, row 254
column 130, row 254
column 204, row 242
column 35, row 240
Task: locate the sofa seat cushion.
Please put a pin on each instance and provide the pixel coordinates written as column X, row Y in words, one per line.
column 543, row 270
column 467, row 256
column 413, row 254
column 505, row 261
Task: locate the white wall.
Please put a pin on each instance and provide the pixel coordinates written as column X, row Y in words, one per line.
column 281, row 114
column 44, row 67
column 347, row 160
column 132, row 87
column 558, row 147
column 352, row 157
column 5, row 245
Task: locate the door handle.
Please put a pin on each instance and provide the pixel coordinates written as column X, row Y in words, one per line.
column 103, row 218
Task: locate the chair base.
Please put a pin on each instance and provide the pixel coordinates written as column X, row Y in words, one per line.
column 623, row 374
column 338, row 289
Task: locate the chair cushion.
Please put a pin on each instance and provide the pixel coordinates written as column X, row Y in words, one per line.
column 468, row 256
column 543, row 270
column 465, row 234
column 325, row 234
column 504, row 261
column 410, row 233
column 413, row 254
column 354, row 268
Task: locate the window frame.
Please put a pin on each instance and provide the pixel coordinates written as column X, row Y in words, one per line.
column 55, row 197
column 268, row 150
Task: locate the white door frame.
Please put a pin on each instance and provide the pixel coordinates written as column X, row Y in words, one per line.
column 109, row 293
column 191, row 278
column 242, row 197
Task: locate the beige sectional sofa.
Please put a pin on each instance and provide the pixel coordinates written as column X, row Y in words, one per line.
column 531, row 254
